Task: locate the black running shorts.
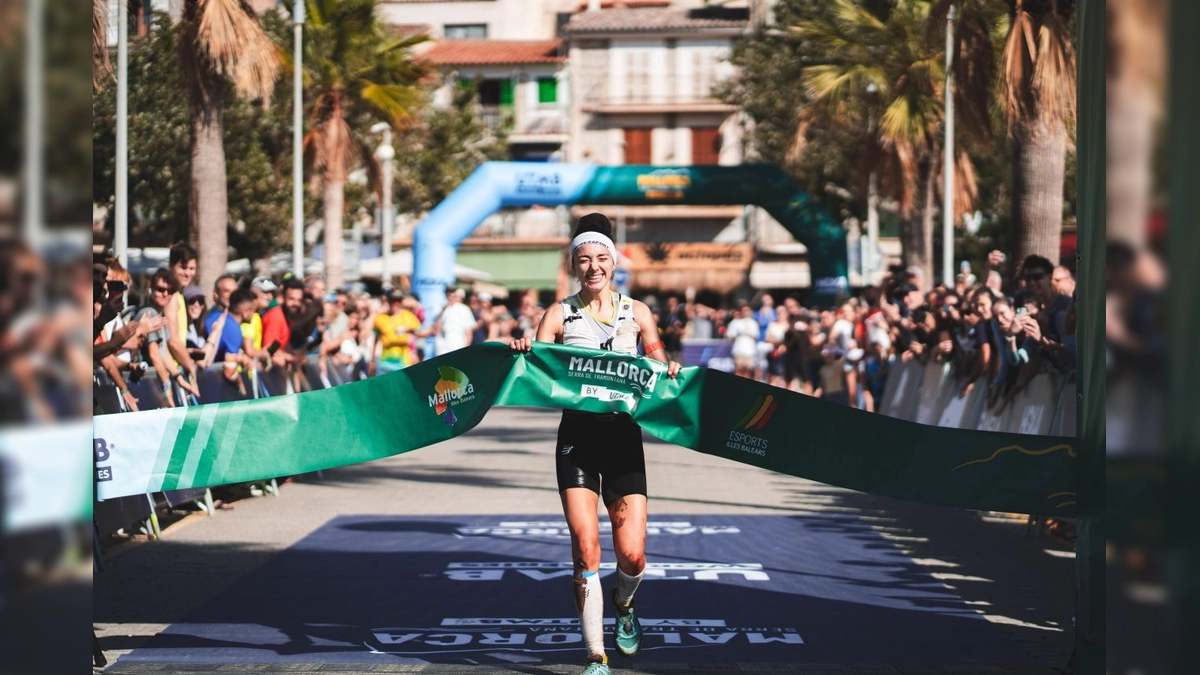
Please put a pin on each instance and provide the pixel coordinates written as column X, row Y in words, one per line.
column 596, row 450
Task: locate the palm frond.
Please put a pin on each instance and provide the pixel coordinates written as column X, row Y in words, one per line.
column 1019, row 57
column 837, row 81
column 966, row 183
column 395, row 102
column 1054, row 72
column 235, row 45
column 101, row 66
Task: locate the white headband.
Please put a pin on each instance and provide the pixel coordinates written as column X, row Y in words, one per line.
column 593, row 238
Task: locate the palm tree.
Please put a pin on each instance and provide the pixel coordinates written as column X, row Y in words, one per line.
column 354, row 70
column 1038, row 95
column 881, row 73
column 221, row 43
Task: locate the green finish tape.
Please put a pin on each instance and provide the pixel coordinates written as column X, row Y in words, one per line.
column 708, row 411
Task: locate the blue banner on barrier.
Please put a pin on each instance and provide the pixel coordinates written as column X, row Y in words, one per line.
column 715, row 354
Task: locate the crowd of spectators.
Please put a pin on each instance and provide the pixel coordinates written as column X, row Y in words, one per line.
column 170, row 329
column 992, row 335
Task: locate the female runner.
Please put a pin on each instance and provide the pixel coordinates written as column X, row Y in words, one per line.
column 600, row 454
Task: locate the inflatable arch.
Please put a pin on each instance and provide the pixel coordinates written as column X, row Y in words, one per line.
column 499, row 184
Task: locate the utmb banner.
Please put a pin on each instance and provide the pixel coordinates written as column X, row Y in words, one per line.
column 708, row 411
column 495, row 185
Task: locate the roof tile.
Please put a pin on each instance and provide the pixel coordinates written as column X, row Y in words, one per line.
column 501, row 52
column 654, row 19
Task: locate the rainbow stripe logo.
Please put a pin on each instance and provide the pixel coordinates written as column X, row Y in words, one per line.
column 759, row 414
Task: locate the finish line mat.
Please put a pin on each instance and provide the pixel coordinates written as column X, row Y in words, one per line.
column 498, row 590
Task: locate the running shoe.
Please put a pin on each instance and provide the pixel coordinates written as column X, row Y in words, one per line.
column 627, row 633
column 596, row 668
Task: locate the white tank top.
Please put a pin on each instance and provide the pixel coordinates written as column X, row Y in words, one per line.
column 582, row 329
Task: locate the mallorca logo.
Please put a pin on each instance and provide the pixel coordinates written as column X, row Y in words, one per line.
column 755, row 419
column 452, row 388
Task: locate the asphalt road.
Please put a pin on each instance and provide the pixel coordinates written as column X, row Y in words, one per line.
column 450, row 559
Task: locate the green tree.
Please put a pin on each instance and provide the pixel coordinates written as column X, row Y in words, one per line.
column 159, row 137
column 354, row 69
column 257, row 141
column 438, row 154
column 869, row 103
column 221, row 43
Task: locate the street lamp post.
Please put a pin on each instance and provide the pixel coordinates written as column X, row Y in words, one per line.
column 297, row 141
column 121, row 198
column 385, row 153
column 948, row 160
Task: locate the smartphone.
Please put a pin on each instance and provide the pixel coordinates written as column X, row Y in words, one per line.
column 1021, row 311
column 117, row 287
column 273, row 347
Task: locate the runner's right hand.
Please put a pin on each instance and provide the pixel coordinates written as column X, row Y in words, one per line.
column 522, row 345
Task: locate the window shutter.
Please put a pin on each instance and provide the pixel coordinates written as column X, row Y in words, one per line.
column 706, row 145
column 637, row 146
column 547, row 90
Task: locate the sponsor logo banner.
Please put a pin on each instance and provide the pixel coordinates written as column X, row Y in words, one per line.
column 485, row 634
column 541, row 571
column 558, row 529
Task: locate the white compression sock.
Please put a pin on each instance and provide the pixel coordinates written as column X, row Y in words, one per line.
column 591, row 614
column 626, row 585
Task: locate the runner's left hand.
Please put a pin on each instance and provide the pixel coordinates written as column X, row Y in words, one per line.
column 673, row 368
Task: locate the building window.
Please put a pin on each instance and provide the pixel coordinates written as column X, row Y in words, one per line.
column 464, row 31
column 561, row 19
column 547, row 90
column 494, row 92
column 637, row 146
column 706, row 145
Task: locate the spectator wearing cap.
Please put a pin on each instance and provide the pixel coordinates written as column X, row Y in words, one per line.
column 336, row 319
column 241, row 311
column 264, row 290
column 397, row 331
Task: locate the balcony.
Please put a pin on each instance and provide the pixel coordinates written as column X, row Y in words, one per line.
column 543, row 123
column 643, row 95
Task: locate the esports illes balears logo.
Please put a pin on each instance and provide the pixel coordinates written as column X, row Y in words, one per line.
column 755, row 419
column 452, row 388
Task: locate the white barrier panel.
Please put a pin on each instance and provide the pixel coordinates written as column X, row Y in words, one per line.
column 903, row 404
column 1064, row 417
column 885, row 403
column 1033, row 407
column 962, row 412
column 993, row 420
column 936, row 385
